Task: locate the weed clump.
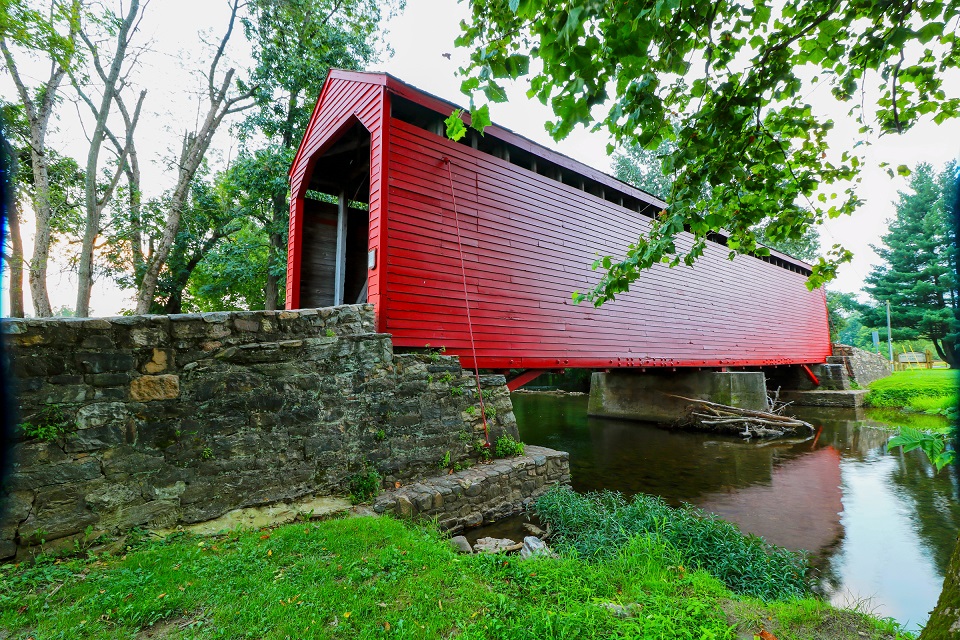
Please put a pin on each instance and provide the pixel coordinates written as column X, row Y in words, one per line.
column 48, row 424
column 597, row 525
column 507, row 447
column 365, row 486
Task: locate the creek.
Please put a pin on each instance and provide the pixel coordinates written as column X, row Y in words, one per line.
column 879, row 526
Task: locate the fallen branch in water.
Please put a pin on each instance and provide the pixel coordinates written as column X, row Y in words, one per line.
column 712, row 416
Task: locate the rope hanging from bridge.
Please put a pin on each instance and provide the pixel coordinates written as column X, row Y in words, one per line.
column 466, row 302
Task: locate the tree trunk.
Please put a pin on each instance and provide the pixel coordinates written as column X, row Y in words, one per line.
column 15, row 260
column 944, row 620
column 174, row 303
column 94, row 202
column 41, row 238
column 272, row 290
column 947, row 351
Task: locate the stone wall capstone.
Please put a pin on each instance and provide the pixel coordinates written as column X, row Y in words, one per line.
column 166, row 420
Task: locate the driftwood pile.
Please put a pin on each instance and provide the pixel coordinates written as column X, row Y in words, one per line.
column 721, row 418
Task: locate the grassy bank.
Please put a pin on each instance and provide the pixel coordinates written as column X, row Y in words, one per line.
column 932, row 391
column 377, row 577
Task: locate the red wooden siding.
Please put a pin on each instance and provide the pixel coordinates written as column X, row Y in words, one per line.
column 346, row 96
column 528, row 241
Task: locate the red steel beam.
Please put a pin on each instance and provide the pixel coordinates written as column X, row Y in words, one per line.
column 811, row 375
column 527, row 376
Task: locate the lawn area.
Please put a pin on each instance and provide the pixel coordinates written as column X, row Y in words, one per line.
column 378, row 577
column 922, row 390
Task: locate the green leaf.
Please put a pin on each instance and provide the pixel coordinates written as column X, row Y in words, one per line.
column 455, row 127
column 479, row 118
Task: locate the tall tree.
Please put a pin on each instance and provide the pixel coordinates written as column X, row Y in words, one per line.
column 225, row 95
column 723, row 81
column 918, row 276
column 111, row 74
column 51, row 34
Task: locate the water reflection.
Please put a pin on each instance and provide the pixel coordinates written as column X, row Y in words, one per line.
column 878, row 525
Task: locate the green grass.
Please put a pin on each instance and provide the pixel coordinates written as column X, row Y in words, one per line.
column 598, row 524
column 372, row 578
column 922, row 390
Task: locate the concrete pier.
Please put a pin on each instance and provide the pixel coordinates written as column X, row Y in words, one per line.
column 646, row 396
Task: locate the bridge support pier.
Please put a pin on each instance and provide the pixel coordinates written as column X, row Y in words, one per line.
column 645, row 396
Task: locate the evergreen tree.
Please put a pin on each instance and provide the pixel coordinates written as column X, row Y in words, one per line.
column 918, row 276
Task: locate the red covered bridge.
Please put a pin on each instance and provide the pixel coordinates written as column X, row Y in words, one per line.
column 378, row 192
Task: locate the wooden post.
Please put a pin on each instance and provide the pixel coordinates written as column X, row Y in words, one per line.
column 341, row 264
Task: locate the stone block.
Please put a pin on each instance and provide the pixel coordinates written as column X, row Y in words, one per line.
column 126, row 461
column 852, row 398
column 110, row 379
column 647, row 396
column 97, row 342
column 24, row 479
column 66, row 379
column 246, row 324
column 149, row 337
column 404, row 508
column 95, row 362
column 152, row 513
column 111, row 496
column 95, row 439
column 16, row 506
column 102, row 414
column 31, row 454
column 160, row 361
column 66, row 394
column 149, row 388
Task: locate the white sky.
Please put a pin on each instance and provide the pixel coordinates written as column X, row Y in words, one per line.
column 419, row 38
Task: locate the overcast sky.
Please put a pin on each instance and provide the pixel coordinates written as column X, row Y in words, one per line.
column 419, row 38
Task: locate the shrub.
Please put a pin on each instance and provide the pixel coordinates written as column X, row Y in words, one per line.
column 599, row 524
column 507, row 447
column 48, row 424
column 365, row 486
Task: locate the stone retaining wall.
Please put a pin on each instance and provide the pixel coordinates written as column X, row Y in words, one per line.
column 481, row 494
column 165, row 420
column 862, row 366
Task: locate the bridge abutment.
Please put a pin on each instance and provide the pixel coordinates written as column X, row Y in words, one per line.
column 646, row 396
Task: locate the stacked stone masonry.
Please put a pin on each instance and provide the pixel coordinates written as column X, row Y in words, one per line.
column 481, row 494
column 166, row 420
column 861, row 366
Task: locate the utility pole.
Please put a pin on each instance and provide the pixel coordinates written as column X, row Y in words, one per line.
column 889, row 335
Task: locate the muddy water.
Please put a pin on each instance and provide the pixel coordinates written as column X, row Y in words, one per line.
column 879, row 526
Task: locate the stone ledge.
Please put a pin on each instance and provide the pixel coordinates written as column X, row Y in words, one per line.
column 481, row 494
column 850, row 398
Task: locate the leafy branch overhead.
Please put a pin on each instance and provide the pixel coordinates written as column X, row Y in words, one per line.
column 726, row 85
